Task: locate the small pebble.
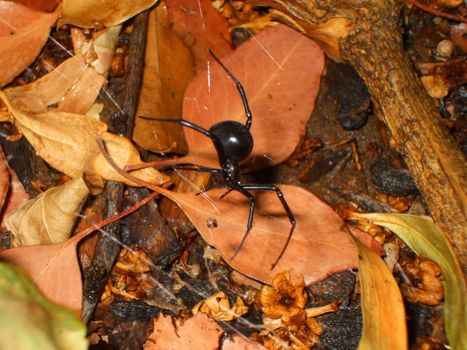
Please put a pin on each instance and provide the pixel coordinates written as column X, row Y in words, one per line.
column 445, row 48
column 350, row 121
column 390, row 180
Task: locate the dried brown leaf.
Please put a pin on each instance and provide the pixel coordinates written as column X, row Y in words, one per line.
column 280, row 70
column 72, row 83
column 91, row 13
column 168, row 69
column 320, row 245
column 83, row 93
column 68, row 143
column 12, row 193
column 40, row 5
column 217, row 306
column 200, row 26
column 198, row 332
column 4, row 178
column 54, row 268
column 23, row 32
column 50, row 217
column 98, row 50
column 237, row 342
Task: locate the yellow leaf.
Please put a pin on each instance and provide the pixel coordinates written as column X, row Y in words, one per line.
column 48, row 90
column 91, row 13
column 425, row 239
column 218, row 307
column 168, row 69
column 73, row 85
column 67, row 142
column 384, row 326
column 50, row 217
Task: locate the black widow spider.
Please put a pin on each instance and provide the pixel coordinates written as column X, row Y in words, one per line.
column 234, row 143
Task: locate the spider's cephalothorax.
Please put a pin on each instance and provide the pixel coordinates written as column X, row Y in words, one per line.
column 234, row 143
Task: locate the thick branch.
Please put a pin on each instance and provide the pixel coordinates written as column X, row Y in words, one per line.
column 429, row 151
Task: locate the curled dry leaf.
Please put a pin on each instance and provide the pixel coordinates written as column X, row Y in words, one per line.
column 423, row 237
column 72, row 84
column 90, row 13
column 168, row 69
column 383, row 310
column 50, row 217
column 217, row 306
column 320, row 245
column 280, row 70
column 81, row 97
column 23, row 32
column 12, row 193
column 4, row 178
column 198, row 332
column 68, row 143
column 99, row 51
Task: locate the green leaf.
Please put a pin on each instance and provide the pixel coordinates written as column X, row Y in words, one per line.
column 29, row 321
column 425, row 239
column 384, row 326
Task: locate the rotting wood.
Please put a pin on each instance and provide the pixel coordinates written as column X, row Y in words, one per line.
column 121, row 122
column 365, row 34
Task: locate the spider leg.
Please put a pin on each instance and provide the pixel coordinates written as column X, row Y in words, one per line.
column 226, row 193
column 287, row 209
column 196, row 168
column 182, row 122
column 201, row 169
column 239, row 188
column 240, row 89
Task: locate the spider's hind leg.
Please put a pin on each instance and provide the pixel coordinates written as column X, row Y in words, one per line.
column 287, row 209
column 242, row 190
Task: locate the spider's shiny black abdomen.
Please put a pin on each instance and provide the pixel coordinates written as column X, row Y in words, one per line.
column 232, row 140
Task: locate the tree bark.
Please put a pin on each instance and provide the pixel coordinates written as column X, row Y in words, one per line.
column 366, row 35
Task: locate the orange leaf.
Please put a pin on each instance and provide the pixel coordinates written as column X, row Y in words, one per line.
column 200, row 26
column 168, row 69
column 198, row 332
column 23, row 32
column 237, row 342
column 55, row 268
column 280, row 70
column 91, row 13
column 63, row 85
column 40, row 5
column 320, row 244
